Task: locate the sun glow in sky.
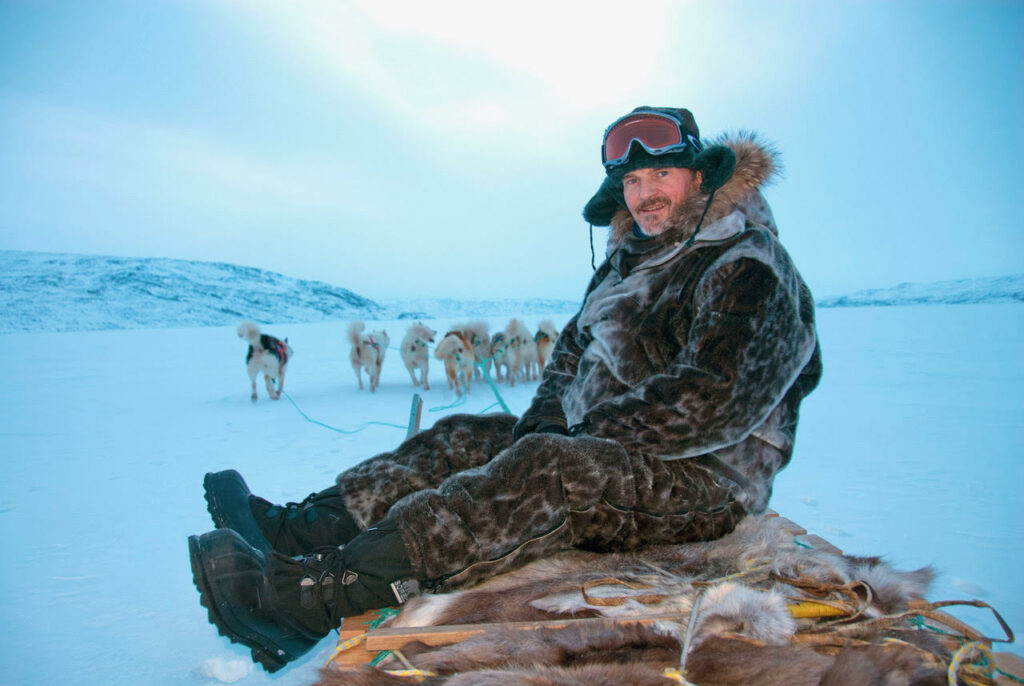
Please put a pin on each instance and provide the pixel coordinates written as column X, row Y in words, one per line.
column 447, row 148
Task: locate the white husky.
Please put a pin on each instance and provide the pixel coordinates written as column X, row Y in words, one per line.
column 415, row 353
column 545, row 337
column 367, row 352
column 523, row 350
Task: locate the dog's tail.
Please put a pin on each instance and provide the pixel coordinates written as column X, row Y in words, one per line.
column 249, row 331
column 354, row 329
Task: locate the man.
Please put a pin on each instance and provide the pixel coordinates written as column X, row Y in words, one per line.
column 670, row 402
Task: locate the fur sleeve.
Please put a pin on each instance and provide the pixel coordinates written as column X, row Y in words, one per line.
column 546, row 407
column 744, row 348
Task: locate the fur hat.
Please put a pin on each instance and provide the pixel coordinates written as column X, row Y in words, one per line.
column 715, row 163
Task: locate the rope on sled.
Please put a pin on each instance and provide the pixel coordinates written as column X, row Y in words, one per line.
column 968, row 651
column 1009, row 676
column 382, row 614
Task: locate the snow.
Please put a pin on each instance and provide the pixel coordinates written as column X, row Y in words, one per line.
column 953, row 292
column 910, row 449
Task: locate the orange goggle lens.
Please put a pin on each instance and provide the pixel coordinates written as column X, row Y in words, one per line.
column 657, row 133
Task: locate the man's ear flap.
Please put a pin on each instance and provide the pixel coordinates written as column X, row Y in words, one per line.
column 601, row 208
column 716, row 165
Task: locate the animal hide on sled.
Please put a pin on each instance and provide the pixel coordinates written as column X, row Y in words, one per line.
column 730, row 602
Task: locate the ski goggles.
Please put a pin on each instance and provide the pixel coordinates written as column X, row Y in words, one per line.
column 658, row 134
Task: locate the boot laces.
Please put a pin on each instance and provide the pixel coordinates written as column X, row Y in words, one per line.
column 308, row 500
column 323, row 570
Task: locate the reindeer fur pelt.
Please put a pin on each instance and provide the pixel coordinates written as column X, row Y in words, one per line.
column 742, row 633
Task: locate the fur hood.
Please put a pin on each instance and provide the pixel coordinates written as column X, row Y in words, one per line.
column 757, row 164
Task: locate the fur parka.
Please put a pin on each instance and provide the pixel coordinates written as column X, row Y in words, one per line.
column 692, row 348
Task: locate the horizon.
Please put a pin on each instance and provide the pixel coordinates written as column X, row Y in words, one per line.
column 79, row 292
column 817, row 297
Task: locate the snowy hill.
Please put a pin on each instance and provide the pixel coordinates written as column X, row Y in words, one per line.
column 959, row 292
column 51, row 292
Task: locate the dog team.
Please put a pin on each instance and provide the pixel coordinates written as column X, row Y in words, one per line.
column 467, row 351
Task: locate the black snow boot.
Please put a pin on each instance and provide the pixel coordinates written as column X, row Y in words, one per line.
column 281, row 607
column 293, row 529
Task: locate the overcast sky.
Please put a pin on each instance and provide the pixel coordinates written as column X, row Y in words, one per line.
column 447, row 149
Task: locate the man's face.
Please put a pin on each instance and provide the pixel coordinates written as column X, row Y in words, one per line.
column 652, row 195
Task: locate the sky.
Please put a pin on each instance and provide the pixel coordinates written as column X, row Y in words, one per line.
column 446, row 149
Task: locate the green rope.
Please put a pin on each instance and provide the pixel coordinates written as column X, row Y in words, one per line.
column 494, row 388
column 362, row 427
column 382, row 614
column 1010, row 676
column 919, row 623
column 460, row 400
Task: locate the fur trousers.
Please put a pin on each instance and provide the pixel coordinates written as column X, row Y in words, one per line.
column 471, row 503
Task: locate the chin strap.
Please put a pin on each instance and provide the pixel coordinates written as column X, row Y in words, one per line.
column 592, row 265
column 693, row 236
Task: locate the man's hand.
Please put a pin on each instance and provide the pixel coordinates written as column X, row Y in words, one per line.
column 551, row 428
column 546, row 425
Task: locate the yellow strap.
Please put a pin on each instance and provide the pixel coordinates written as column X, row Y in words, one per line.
column 418, row 674
column 676, row 676
column 809, row 609
column 345, row 645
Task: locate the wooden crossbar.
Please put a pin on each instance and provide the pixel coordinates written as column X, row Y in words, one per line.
column 388, row 638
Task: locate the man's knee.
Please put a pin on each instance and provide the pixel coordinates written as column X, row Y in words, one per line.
column 588, row 469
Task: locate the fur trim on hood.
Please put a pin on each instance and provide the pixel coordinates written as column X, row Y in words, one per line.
column 757, row 165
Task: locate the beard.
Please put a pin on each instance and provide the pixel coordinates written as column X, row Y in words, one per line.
column 682, row 216
column 654, row 202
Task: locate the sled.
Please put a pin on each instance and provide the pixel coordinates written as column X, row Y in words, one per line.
column 831, row 618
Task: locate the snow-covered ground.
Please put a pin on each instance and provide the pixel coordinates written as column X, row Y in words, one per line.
column 911, row 448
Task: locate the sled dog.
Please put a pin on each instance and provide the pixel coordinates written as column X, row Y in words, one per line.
column 480, row 339
column 456, row 352
column 367, row 353
column 545, row 338
column 266, row 354
column 501, row 355
column 415, row 353
column 523, row 351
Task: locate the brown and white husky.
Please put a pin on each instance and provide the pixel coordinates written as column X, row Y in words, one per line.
column 266, row 354
column 456, row 351
column 477, row 334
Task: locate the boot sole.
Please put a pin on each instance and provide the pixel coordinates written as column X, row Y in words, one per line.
column 247, row 528
column 228, row 624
